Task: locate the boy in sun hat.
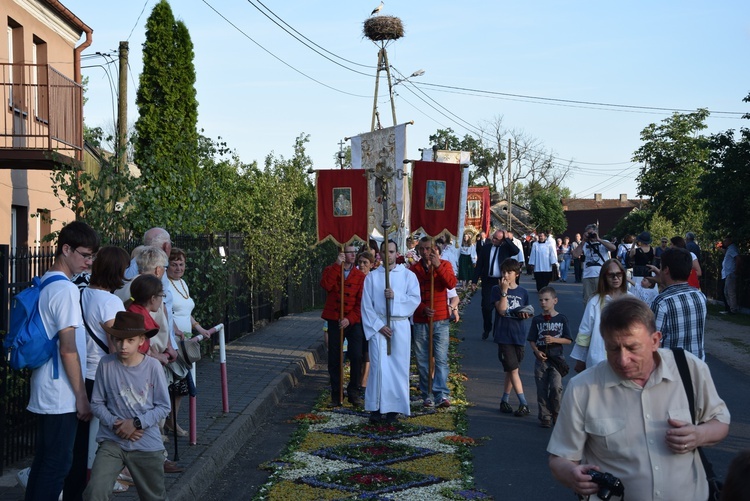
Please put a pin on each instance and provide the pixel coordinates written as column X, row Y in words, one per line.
column 130, row 398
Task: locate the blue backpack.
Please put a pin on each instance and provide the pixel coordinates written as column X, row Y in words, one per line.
column 27, row 343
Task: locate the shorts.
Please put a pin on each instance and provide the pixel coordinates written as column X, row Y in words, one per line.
column 510, row 355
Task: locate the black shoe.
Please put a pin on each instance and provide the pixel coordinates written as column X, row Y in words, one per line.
column 485, row 335
column 546, row 422
column 355, row 399
column 523, row 410
column 505, row 408
column 391, row 417
column 375, row 417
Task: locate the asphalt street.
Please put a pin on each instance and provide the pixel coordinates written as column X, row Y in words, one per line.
column 512, row 463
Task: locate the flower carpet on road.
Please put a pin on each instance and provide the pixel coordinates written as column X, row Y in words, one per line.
column 337, row 453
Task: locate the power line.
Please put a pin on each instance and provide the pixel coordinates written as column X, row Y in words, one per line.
column 277, row 57
column 572, row 101
column 303, row 36
column 136, row 21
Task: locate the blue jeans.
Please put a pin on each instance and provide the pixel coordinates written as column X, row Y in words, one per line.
column 565, row 267
column 55, row 436
column 549, row 390
column 421, row 347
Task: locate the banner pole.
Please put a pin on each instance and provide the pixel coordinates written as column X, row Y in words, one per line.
column 431, row 322
column 341, row 331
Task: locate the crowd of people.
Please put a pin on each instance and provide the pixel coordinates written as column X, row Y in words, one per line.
column 643, row 313
column 120, row 335
column 119, row 325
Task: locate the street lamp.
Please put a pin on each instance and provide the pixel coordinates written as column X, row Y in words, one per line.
column 417, row 73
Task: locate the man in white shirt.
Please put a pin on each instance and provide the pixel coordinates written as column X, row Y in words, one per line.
column 60, row 403
column 729, row 268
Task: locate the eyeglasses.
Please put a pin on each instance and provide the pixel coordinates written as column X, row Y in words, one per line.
column 614, row 276
column 87, row 257
column 163, row 294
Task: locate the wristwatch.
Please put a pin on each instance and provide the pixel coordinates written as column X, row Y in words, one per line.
column 137, row 423
column 503, row 294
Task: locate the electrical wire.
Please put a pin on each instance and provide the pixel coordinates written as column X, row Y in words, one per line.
column 307, row 39
column 136, row 21
column 113, row 93
column 278, row 58
column 572, row 101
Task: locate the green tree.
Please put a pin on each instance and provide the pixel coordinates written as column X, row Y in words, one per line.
column 674, row 157
column 726, row 184
column 166, row 136
column 547, row 213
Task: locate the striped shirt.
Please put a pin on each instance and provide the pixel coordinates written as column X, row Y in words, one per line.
column 680, row 312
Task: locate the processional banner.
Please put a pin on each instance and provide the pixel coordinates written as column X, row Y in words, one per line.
column 387, row 148
column 454, row 157
column 436, row 198
column 342, row 205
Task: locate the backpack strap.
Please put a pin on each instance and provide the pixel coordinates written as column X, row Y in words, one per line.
column 56, row 337
column 687, row 382
column 96, row 339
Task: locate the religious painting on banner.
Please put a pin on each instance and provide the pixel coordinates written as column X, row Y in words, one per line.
column 436, row 198
column 454, row 157
column 382, row 151
column 478, row 208
column 342, row 205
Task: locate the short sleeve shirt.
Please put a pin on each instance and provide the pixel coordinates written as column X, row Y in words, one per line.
column 510, row 330
column 556, row 326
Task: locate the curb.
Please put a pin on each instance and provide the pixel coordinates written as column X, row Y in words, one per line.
column 197, row 478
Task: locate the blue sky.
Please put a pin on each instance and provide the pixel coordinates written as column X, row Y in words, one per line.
column 668, row 54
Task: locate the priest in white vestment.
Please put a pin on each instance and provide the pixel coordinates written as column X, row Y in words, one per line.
column 387, row 392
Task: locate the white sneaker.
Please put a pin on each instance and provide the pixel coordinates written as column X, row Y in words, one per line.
column 118, row 487
column 22, row 476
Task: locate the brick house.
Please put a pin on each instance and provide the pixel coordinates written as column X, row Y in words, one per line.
column 580, row 212
column 42, row 118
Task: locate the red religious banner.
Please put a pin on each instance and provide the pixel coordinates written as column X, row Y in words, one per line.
column 478, row 208
column 435, row 198
column 342, row 205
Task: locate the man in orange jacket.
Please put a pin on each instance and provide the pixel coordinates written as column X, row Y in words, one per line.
column 352, row 322
column 436, row 309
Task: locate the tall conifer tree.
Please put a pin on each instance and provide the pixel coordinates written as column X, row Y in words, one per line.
column 166, row 136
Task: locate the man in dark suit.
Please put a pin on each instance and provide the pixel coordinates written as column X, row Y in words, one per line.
column 488, row 269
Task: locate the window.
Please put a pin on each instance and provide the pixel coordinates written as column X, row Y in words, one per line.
column 39, row 82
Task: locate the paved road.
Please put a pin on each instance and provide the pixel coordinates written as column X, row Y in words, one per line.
column 512, row 465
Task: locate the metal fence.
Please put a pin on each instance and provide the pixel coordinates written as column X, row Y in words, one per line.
column 244, row 308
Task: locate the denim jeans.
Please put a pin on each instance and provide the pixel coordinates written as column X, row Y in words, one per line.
column 548, row 389
column 421, row 347
column 53, row 456
column 565, row 267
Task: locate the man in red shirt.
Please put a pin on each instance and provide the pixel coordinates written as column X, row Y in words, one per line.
column 352, row 322
column 430, row 265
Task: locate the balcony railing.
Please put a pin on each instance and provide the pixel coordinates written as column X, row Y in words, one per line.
column 43, row 110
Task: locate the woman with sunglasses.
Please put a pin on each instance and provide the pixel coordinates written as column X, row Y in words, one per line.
column 588, row 349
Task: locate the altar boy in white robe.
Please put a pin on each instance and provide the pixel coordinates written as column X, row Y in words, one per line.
column 387, row 393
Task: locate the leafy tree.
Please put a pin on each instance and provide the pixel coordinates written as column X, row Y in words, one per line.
column 632, row 224
column 166, row 138
column 547, row 213
column 674, row 157
column 725, row 184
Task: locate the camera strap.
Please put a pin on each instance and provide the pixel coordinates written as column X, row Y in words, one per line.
column 687, row 382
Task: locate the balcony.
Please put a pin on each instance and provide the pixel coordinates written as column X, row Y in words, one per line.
column 42, row 123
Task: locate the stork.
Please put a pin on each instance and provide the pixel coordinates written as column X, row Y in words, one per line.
column 377, row 9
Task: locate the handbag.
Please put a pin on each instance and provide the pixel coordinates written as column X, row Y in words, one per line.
column 714, row 485
column 190, row 352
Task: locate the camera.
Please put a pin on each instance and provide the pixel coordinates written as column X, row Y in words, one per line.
column 591, row 235
column 609, row 485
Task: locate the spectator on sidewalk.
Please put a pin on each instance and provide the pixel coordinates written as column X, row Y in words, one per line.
column 488, row 270
column 60, row 403
column 695, row 272
column 680, row 309
column 628, row 415
column 351, row 322
column 467, row 259
column 577, row 263
column 692, row 245
column 387, row 392
column 130, row 398
column 435, row 277
column 730, row 267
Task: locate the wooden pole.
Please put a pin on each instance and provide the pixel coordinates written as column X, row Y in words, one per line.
column 510, row 188
column 375, row 99
column 390, row 85
column 341, row 331
column 431, row 364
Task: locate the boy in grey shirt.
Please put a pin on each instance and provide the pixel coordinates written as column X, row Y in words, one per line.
column 130, row 398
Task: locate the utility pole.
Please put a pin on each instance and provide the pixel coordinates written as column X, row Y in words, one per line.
column 122, row 110
column 510, row 188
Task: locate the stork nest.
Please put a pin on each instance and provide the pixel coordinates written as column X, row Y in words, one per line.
column 380, row 28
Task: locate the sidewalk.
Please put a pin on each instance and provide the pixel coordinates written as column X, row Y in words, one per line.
column 261, row 368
